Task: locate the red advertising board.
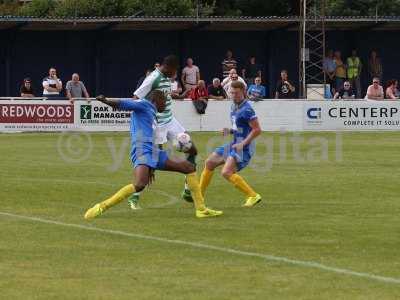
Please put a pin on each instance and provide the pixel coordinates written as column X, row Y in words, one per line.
column 37, row 113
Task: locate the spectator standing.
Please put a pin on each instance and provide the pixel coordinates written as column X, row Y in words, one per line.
column 216, row 91
column 199, row 96
column 251, row 71
column 284, row 88
column 52, row 85
column 375, row 90
column 354, row 67
column 340, row 73
column 327, row 93
column 345, row 93
column 176, row 88
column 329, row 66
column 256, row 91
column 233, row 76
column 75, row 88
column 26, row 89
column 190, row 75
column 391, row 89
column 375, row 68
column 141, row 79
column 228, row 64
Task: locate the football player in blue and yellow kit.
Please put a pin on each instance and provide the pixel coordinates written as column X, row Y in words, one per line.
column 236, row 155
column 147, row 157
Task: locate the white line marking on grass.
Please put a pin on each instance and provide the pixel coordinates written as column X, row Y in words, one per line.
column 307, row 264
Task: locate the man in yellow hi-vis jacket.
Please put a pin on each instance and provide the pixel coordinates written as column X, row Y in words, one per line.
column 354, row 67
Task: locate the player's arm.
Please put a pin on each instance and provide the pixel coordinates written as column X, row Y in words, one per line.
column 122, row 104
column 111, row 102
column 145, row 88
column 255, row 132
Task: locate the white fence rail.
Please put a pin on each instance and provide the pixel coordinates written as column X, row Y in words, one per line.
column 18, row 115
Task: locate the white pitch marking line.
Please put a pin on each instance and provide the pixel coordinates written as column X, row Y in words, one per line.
column 307, row 264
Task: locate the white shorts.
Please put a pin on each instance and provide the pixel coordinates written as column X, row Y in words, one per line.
column 168, row 132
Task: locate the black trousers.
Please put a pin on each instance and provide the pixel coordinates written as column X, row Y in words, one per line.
column 200, row 106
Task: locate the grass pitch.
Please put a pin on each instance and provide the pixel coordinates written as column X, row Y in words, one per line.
column 331, row 200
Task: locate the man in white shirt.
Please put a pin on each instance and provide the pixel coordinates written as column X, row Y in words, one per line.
column 52, row 85
column 233, row 76
column 190, row 75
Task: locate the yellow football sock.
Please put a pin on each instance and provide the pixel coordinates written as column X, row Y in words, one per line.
column 119, row 196
column 205, row 179
column 242, row 185
column 194, row 187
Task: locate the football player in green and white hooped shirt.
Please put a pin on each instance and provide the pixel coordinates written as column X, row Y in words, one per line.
column 167, row 126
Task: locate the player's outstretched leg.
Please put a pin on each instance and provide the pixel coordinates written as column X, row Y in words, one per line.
column 212, row 162
column 133, row 200
column 229, row 173
column 183, row 166
column 142, row 175
column 191, row 157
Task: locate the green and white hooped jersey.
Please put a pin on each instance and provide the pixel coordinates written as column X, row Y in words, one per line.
column 157, row 81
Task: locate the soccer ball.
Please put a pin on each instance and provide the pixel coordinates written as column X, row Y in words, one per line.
column 182, row 143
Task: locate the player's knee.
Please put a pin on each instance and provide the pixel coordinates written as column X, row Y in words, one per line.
column 140, row 186
column 189, row 168
column 210, row 164
column 226, row 173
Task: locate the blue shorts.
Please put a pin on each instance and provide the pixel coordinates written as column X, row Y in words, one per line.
column 242, row 158
column 151, row 157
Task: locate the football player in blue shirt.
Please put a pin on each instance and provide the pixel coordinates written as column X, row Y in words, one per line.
column 147, row 157
column 236, row 155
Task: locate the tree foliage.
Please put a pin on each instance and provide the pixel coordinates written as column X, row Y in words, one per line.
column 8, row 7
column 39, row 8
column 363, row 7
column 159, row 8
column 87, row 8
column 81, row 8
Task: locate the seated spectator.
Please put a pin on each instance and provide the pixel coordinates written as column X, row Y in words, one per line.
column 375, row 90
column 251, row 71
column 199, row 96
column 345, row 93
column 75, row 88
column 190, row 75
column 52, row 85
column 284, row 88
column 391, row 90
column 141, row 79
column 233, row 76
column 256, row 91
column 216, row 91
column 26, row 89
